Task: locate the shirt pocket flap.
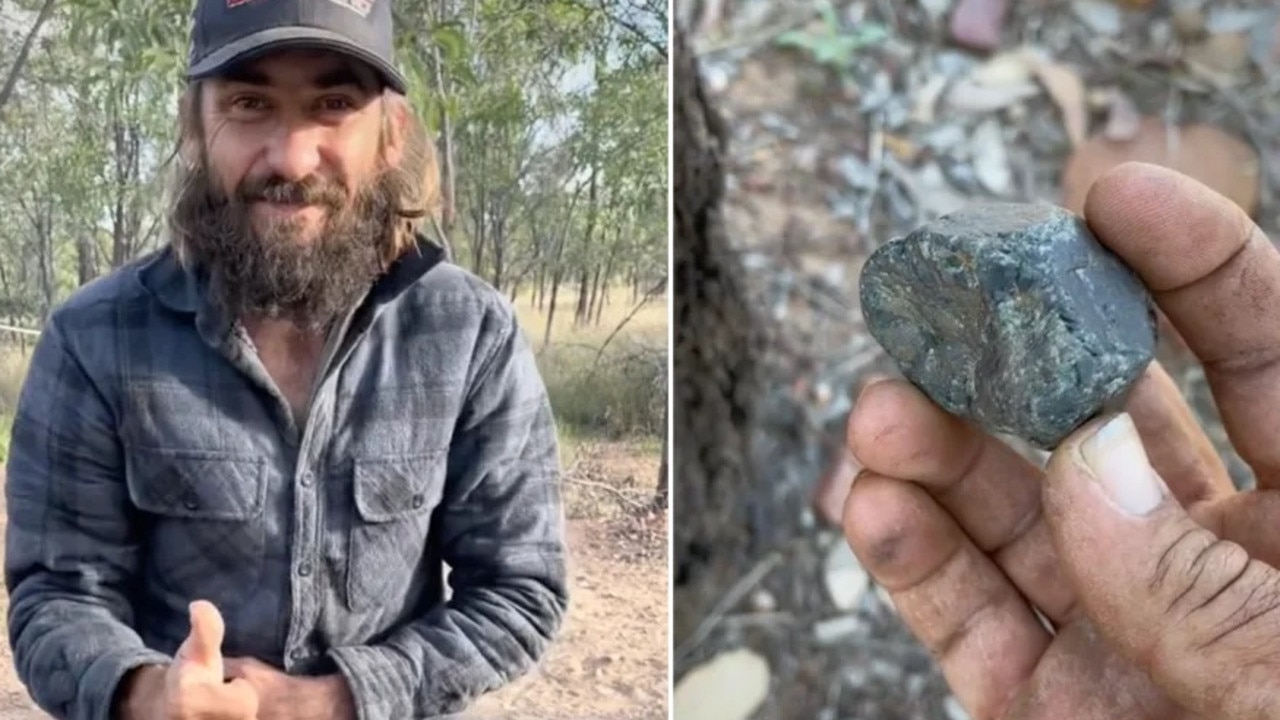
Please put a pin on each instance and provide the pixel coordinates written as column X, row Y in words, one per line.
column 197, row 484
column 389, row 489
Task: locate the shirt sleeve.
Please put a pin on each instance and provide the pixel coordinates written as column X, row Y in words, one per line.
column 71, row 549
column 502, row 526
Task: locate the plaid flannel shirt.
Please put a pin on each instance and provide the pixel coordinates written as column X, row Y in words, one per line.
column 152, row 463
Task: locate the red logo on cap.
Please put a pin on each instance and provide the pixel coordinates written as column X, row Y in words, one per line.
column 237, row 3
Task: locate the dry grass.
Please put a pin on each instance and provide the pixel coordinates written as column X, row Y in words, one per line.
column 607, row 379
column 648, row 322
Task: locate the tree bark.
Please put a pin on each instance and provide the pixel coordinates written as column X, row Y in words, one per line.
column 717, row 340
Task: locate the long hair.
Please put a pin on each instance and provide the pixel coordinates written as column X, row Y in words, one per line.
column 413, row 184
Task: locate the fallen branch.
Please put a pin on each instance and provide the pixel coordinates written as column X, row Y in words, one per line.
column 622, row 497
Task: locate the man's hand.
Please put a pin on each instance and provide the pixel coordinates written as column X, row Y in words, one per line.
column 1157, row 577
column 285, row 697
column 192, row 686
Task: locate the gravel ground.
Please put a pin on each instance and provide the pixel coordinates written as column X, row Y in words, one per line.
column 854, row 122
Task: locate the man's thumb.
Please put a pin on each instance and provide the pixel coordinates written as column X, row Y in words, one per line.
column 1193, row 611
column 203, row 645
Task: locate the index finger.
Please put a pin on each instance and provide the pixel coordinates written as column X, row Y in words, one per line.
column 1217, row 278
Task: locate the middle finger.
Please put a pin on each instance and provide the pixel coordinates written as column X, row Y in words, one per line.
column 992, row 492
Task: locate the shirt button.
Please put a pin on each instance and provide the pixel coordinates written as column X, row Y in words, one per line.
column 418, row 500
column 304, row 569
column 308, row 478
column 190, row 501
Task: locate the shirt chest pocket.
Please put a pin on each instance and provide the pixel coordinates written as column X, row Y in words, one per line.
column 394, row 499
column 205, row 537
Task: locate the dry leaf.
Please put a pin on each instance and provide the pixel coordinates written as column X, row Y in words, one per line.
column 969, row 97
column 1068, row 92
column 1007, row 68
column 901, row 147
column 1002, row 81
column 926, row 100
column 1219, row 57
column 1189, row 21
column 1221, row 161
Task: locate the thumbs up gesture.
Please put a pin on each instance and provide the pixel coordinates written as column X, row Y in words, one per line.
column 193, row 685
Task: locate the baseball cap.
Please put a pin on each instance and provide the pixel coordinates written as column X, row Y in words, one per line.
column 227, row 32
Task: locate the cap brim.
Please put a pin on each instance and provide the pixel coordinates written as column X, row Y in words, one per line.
column 267, row 41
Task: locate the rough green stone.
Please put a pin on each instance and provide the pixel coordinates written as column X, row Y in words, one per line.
column 1012, row 315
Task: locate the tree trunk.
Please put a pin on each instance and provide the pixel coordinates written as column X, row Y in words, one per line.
column 717, row 340
column 603, row 286
column 584, row 295
column 551, row 309
column 661, row 499
column 24, row 53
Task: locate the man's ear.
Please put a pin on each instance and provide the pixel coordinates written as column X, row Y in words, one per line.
column 395, row 125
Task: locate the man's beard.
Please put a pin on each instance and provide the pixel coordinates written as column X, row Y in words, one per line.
column 274, row 272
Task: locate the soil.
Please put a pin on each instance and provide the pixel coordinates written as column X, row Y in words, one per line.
column 611, row 660
column 824, row 165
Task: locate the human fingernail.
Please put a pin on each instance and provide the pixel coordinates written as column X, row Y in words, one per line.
column 1118, row 462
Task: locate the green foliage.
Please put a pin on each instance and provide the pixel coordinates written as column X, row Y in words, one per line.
column 832, row 45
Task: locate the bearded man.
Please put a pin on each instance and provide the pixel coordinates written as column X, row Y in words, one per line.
column 239, row 465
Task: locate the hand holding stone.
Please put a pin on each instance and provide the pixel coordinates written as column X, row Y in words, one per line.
column 1157, row 577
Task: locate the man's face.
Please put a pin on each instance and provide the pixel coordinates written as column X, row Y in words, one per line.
column 302, row 119
column 288, row 201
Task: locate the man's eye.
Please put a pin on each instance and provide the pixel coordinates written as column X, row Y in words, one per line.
column 248, row 104
column 336, row 104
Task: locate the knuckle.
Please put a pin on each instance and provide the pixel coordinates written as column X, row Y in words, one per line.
column 1219, row 602
column 1196, row 569
column 1245, row 612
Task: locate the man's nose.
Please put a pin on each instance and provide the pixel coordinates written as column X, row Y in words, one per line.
column 294, row 153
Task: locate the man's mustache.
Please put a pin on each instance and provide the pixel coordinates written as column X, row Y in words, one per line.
column 310, row 191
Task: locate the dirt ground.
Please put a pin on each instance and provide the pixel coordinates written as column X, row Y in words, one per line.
column 611, row 660
column 847, row 131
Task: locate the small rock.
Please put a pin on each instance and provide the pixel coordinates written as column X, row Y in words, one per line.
column 834, row 630
column 729, row 686
column 936, row 8
column 990, row 157
column 979, row 24
column 1103, row 18
column 763, row 601
column 846, row 581
column 936, row 194
column 1012, row 315
column 1124, row 122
